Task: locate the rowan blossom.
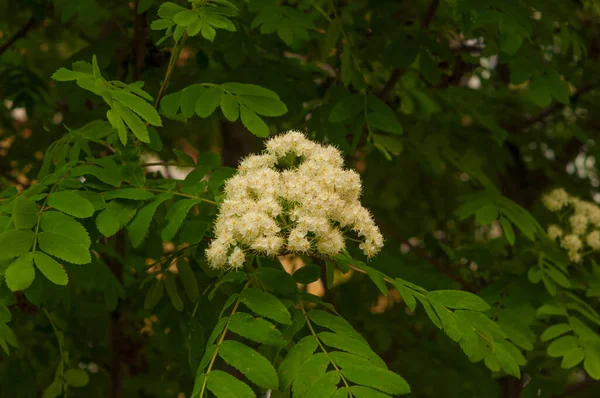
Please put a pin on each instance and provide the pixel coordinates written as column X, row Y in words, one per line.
column 554, row 231
column 593, row 240
column 556, row 200
column 295, row 197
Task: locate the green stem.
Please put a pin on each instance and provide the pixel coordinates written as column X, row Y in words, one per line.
column 185, row 195
column 39, row 216
column 222, row 338
column 170, row 69
column 312, row 331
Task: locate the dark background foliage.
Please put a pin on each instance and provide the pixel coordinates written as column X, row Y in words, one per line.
column 429, row 100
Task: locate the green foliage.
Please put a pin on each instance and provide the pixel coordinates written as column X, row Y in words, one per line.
column 458, row 115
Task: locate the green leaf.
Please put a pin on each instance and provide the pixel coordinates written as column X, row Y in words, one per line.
column 223, row 385
column 307, row 274
column 172, row 291
column 562, row 345
column 144, row 5
column 550, row 309
column 457, row 299
column 72, row 204
column 137, row 105
column 255, row 329
column 188, row 279
column 20, row 274
column 326, row 386
column 114, row 217
column 383, row 117
column 263, row 105
column 65, row 238
column 218, row 177
column 591, row 364
column 170, row 103
column 558, row 276
column 133, row 122
column 298, row 354
column 15, row 242
column 334, row 323
column 154, row 294
column 54, row 390
column 77, row 377
column 249, row 89
column 50, row 268
column 230, row 107
column 168, row 10
column 277, row 280
column 188, row 98
column 331, row 38
column 378, row 378
column 185, row 18
column 138, row 228
column 254, row 123
column 429, row 68
column 346, row 109
column 128, row 193
column 555, row 331
column 509, row 232
column 252, row 364
column 449, row 322
column 349, row 344
column 65, row 75
column 486, row 214
column 267, row 305
column 309, row 373
column 430, row 312
column 538, row 92
column 572, row 358
column 507, row 361
column 25, row 213
column 117, row 123
column 377, row 279
column 207, row 101
column 176, row 214
column 346, row 66
column 510, row 42
column 208, row 32
column 366, row 392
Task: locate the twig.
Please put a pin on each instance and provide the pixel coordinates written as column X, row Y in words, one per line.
column 431, row 10
column 555, row 107
column 18, row 34
column 396, row 73
column 170, row 68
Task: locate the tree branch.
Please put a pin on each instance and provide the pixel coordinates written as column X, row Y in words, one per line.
column 555, row 107
column 18, row 35
column 397, row 73
column 431, row 10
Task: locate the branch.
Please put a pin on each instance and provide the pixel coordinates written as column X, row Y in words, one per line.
column 433, row 6
column 555, row 107
column 18, row 35
column 396, row 73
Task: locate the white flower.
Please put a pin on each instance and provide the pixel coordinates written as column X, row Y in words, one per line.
column 556, row 200
column 575, row 256
column 571, row 242
column 554, row 231
column 593, row 240
column 578, row 223
column 301, row 208
column 237, row 258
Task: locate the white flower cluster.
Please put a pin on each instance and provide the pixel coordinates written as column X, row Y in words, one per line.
column 583, row 224
column 293, row 198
